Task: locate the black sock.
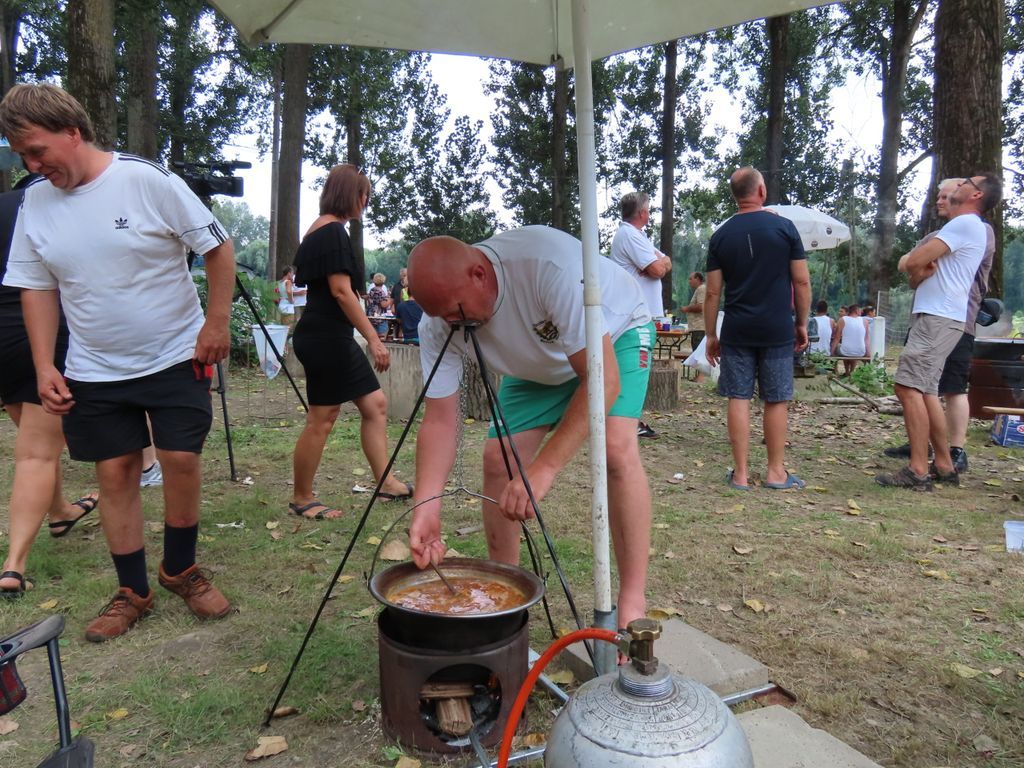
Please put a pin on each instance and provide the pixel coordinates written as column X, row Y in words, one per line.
column 131, row 571
column 179, row 548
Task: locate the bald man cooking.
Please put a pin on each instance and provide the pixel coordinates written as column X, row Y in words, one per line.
column 524, row 288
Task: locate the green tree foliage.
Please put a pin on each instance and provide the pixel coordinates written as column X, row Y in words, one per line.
column 249, row 232
column 809, row 172
column 369, row 94
column 523, row 129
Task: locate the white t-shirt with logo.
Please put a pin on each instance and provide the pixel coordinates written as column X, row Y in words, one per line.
column 632, row 251
column 116, row 249
column 538, row 319
column 946, row 292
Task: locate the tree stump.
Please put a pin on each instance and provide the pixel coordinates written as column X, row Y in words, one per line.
column 663, row 387
column 475, row 398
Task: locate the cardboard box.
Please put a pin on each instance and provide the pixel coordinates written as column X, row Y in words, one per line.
column 1008, row 429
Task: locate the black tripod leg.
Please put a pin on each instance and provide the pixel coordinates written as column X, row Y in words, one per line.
column 358, row 530
column 222, row 391
column 499, row 420
column 256, row 315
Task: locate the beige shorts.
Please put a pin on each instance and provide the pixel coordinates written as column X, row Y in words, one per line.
column 930, row 341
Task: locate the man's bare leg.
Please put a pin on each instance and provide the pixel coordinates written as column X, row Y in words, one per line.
column 502, row 533
column 958, row 416
column 937, row 434
column 739, row 437
column 915, row 418
column 629, row 516
column 776, row 424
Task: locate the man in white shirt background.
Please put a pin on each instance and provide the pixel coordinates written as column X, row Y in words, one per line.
column 634, row 252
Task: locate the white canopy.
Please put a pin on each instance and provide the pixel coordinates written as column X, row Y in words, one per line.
column 532, row 31
column 524, row 30
column 817, row 229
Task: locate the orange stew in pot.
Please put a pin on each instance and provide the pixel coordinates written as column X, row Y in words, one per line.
column 472, row 596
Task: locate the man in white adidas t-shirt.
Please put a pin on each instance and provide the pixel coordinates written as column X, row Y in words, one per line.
column 110, row 233
column 942, row 270
column 525, row 289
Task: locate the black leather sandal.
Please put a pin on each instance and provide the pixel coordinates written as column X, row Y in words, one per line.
column 6, row 593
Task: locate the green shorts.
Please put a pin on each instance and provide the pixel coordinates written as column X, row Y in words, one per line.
column 527, row 404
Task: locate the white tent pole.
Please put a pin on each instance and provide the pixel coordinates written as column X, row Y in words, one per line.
column 594, row 324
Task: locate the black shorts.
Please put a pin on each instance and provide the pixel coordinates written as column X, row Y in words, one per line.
column 957, row 369
column 109, row 417
column 337, row 370
column 17, row 373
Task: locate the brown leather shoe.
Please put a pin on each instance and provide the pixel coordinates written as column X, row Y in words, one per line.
column 194, row 587
column 119, row 615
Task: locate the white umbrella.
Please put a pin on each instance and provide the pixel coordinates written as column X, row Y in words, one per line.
column 818, row 230
column 538, row 31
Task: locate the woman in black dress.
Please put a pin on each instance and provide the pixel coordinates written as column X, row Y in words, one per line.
column 337, row 370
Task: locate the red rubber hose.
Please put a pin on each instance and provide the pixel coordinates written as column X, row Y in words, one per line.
column 590, row 633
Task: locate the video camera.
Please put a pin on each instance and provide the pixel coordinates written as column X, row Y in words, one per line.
column 208, row 179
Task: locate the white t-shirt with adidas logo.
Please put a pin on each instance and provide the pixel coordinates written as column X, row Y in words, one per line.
column 116, row 249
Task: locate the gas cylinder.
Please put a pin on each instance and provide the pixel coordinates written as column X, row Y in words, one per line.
column 644, row 716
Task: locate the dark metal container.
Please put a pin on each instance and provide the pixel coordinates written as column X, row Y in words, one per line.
column 423, row 629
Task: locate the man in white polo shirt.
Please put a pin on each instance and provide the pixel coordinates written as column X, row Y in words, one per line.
column 942, row 270
column 524, row 288
column 106, row 235
column 632, row 251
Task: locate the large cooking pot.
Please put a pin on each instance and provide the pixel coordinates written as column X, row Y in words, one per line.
column 424, row 629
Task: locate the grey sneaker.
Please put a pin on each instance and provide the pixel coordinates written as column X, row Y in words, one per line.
column 953, row 478
column 905, row 478
column 152, row 476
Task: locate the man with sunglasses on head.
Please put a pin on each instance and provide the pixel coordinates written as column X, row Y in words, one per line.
column 524, row 290
column 942, row 270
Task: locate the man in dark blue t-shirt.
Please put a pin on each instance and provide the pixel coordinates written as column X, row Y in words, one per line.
column 759, row 257
column 409, row 314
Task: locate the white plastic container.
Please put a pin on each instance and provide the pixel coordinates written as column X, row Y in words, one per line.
column 268, row 360
column 1014, row 535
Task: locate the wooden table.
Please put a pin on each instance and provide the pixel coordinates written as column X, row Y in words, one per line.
column 668, row 342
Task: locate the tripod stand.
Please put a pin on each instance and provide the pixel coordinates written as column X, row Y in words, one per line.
column 509, row 455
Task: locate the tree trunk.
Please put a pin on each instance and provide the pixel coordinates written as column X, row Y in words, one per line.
column 10, row 24
column 91, row 73
column 968, row 125
column 142, row 113
column 181, row 80
column 906, row 18
column 668, row 166
column 295, row 74
column 275, row 169
column 560, row 111
column 354, row 139
column 778, row 44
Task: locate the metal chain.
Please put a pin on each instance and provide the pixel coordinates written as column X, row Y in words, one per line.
column 459, row 470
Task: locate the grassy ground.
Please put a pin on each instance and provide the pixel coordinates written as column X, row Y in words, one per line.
column 896, row 619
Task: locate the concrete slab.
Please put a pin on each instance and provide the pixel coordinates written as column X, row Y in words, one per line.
column 693, row 654
column 779, row 738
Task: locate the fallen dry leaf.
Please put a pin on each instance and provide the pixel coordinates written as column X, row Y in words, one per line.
column 994, row 483
column 395, row 550
column 661, row 526
column 358, row 472
column 284, row 591
column 411, row 762
column 534, row 739
column 272, row 524
column 962, row 670
column 365, row 613
column 996, row 671
column 276, row 535
column 724, row 607
column 858, row 543
column 939, row 538
column 852, row 506
column 358, row 705
column 345, row 579
column 267, row 746
column 373, row 541
column 48, row 605
column 562, row 677
column 937, row 575
column 8, row 725
column 670, row 555
column 260, row 669
column 117, row 714
column 742, row 550
column 662, row 614
column 831, row 532
column 755, row 605
column 285, row 711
